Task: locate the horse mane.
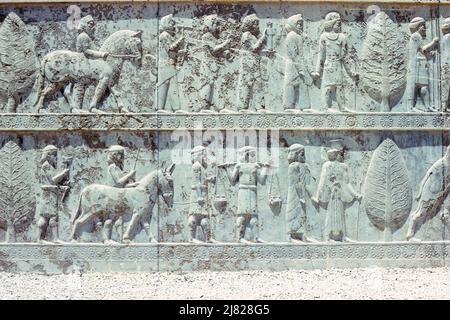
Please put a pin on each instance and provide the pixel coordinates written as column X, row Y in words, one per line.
column 149, row 178
column 115, row 40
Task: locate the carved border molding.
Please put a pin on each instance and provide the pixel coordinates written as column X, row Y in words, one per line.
column 223, row 1
column 282, row 121
column 54, row 259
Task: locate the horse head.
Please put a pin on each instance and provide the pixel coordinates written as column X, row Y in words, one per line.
column 125, row 43
column 165, row 185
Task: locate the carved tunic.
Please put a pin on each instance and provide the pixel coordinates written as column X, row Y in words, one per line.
column 250, row 64
column 333, row 191
column 419, row 67
column 295, row 63
column 210, row 63
column 248, row 177
column 48, row 204
column 299, row 178
column 199, row 190
column 167, row 57
column 332, row 54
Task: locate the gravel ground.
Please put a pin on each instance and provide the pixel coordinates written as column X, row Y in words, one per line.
column 372, row 283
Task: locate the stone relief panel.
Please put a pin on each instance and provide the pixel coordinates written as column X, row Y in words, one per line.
column 92, row 58
column 312, row 187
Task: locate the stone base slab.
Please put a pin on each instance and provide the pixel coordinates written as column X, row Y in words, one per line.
column 68, row 258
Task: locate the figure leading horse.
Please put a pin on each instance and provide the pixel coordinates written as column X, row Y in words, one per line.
column 62, row 67
column 107, row 204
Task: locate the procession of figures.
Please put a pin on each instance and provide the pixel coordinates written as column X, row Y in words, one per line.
column 126, row 203
column 228, row 63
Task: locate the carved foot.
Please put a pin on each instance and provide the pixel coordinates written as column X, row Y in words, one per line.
column 292, row 110
column 110, row 242
column 181, row 111
column 244, row 241
column 212, row 240
column 259, row 240
column 95, row 110
column 347, row 239
column 309, row 110
column 225, row 110
column 162, row 111
column 77, row 110
column 296, row 241
column 207, row 111
column 152, row 240
column 348, row 110
column 42, row 241
column 196, row 241
column 124, row 110
column 334, row 110
column 310, row 240
column 414, row 239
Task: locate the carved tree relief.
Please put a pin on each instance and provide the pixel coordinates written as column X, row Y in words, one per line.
column 16, row 198
column 387, row 190
column 383, row 62
column 18, row 61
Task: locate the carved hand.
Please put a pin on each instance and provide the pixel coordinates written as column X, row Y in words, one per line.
column 315, row 75
column 201, row 201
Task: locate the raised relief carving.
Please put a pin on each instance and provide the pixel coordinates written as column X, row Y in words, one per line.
column 383, row 62
column 53, row 188
column 299, row 193
column 170, row 55
column 445, row 63
column 334, row 192
column 215, row 51
column 387, row 189
column 200, row 209
column 18, row 61
column 89, row 66
column 250, row 91
column 419, row 75
column 297, row 77
column 102, row 204
column 248, row 173
column 332, row 63
column 432, row 196
column 16, row 199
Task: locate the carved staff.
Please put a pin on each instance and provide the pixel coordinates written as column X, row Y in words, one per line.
column 137, row 158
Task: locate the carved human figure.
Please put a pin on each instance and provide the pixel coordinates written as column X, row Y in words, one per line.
column 249, row 174
column 200, row 209
column 419, row 73
column 297, row 78
column 331, row 63
column 334, row 192
column 85, row 44
column 213, row 50
column 116, row 175
column 299, row 190
column 169, row 50
column 433, row 196
column 52, row 188
column 250, row 82
column 445, row 61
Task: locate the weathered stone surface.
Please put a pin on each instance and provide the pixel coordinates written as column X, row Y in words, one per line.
column 169, row 136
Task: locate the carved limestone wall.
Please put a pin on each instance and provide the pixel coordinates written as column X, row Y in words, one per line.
column 180, row 136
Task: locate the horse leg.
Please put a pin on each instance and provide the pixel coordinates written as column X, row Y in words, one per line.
column 78, row 224
column 118, row 96
column 77, row 96
column 136, row 217
column 49, row 90
column 99, row 92
column 107, row 230
column 146, row 226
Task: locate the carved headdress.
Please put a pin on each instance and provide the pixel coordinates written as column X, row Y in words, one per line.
column 446, row 24
column 246, row 151
column 166, row 22
column 197, row 152
column 248, row 21
column 84, row 23
column 46, row 151
column 415, row 23
column 330, row 19
column 292, row 21
column 293, row 152
column 209, row 20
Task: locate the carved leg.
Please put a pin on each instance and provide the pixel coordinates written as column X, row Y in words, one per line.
column 99, row 92
column 53, row 224
column 42, row 225
column 118, row 96
column 243, row 99
column 81, row 221
column 49, row 90
column 192, row 223
column 327, row 96
column 151, row 237
column 77, row 96
column 255, row 229
column 107, row 230
column 163, row 89
column 418, row 219
column 205, row 98
column 206, row 227
column 289, row 97
column 132, row 225
column 12, row 104
column 241, row 224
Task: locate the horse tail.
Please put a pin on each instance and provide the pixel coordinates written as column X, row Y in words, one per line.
column 78, row 211
column 40, row 81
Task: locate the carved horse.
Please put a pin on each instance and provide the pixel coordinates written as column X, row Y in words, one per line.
column 107, row 204
column 61, row 67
